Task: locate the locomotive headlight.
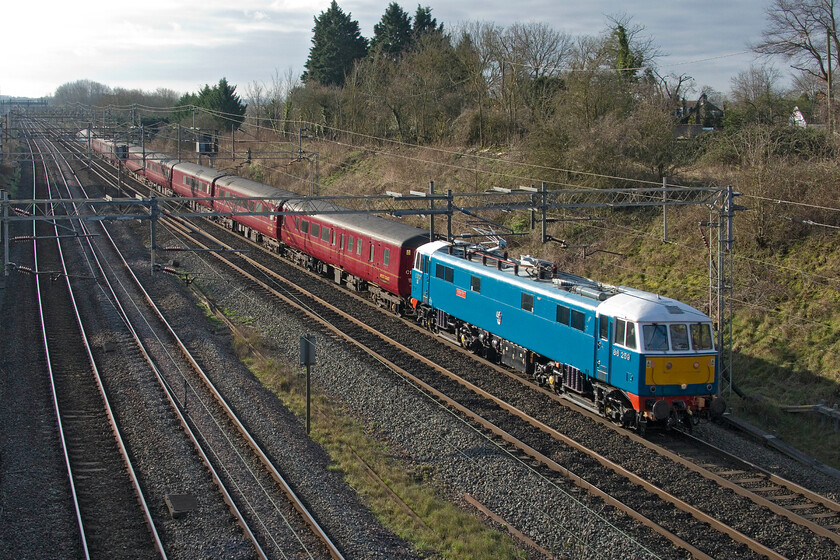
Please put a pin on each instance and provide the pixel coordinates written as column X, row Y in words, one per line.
column 696, row 365
column 668, row 365
column 709, row 387
column 684, row 386
column 653, row 388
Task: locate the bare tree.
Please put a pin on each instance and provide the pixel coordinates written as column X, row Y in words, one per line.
column 800, row 31
column 755, row 83
column 255, row 94
column 277, row 108
column 672, row 87
column 536, row 49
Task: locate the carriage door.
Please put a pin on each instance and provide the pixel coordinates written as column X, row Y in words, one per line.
column 603, row 349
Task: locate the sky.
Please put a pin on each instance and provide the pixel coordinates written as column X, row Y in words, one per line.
column 184, row 44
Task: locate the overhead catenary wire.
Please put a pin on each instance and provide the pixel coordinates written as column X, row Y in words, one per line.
column 478, row 157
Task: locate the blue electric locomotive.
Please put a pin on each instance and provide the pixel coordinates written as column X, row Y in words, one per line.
column 635, row 356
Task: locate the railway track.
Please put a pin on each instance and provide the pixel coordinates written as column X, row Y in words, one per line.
column 407, row 362
column 265, row 506
column 375, row 346
column 113, row 518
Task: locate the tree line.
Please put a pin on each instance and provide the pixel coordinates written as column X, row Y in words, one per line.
column 597, row 104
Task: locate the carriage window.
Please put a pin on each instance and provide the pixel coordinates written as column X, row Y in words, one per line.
column 679, row 337
column 304, row 226
column 341, row 245
column 563, row 314
column 359, row 247
column 297, row 224
column 630, row 341
column 701, row 337
column 604, row 327
column 315, row 231
column 325, row 234
column 333, row 238
column 386, row 257
column 475, row 284
column 578, row 320
column 372, row 251
column 349, row 243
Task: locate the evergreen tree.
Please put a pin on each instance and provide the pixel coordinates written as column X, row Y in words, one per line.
column 337, row 44
column 424, row 22
column 221, row 99
column 392, row 35
column 626, row 60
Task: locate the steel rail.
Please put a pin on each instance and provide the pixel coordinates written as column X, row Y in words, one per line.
column 53, row 388
column 147, row 514
column 261, row 455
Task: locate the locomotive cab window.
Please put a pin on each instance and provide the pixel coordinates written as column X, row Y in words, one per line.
column 418, row 261
column 625, row 333
column 656, row 338
column 701, row 337
column 630, row 340
column 528, row 302
column 679, row 337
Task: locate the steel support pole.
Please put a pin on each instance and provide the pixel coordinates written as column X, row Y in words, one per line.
column 431, row 211
column 308, row 398
column 544, row 232
column 5, row 202
column 153, row 209
column 449, row 215
column 665, row 209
